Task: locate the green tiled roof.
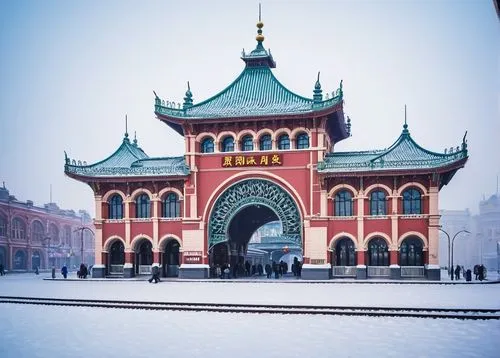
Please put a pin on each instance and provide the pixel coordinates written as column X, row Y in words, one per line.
column 129, row 160
column 404, row 154
column 256, row 92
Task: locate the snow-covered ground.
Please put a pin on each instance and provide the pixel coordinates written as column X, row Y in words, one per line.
column 37, row 331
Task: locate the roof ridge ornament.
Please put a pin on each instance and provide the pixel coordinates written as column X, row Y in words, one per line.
column 318, row 92
column 188, row 100
column 125, row 138
column 405, row 126
column 135, row 138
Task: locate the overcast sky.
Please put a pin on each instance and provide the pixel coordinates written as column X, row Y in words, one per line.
column 71, row 70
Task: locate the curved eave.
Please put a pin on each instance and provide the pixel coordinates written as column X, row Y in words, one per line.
column 116, row 179
column 348, row 172
column 179, row 121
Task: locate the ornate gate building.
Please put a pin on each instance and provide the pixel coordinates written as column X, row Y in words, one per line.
column 256, row 153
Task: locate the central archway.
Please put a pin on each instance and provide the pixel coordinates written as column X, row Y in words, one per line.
column 253, row 195
column 243, row 208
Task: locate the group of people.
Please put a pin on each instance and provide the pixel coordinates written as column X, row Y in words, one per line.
column 83, row 272
column 479, row 273
column 247, row 269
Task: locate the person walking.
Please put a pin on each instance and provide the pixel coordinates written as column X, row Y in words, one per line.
column 457, row 273
column 64, row 271
column 2, row 272
column 155, row 275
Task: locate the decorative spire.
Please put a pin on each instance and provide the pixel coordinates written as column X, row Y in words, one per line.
column 135, row 138
column 260, row 25
column 188, row 100
column 259, row 57
column 126, row 128
column 318, row 92
column 405, row 126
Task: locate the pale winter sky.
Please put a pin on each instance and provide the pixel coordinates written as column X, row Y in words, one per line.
column 70, row 71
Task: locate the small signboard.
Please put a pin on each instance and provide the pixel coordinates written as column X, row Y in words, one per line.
column 192, row 257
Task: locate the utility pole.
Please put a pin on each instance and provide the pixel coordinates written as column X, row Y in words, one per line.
column 82, row 229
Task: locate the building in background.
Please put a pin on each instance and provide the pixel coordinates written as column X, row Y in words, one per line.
column 487, row 231
column 480, row 245
column 33, row 236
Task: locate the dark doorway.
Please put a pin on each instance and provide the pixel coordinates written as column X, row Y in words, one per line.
column 171, row 259
column 20, row 260
column 116, row 258
column 35, row 260
column 144, row 258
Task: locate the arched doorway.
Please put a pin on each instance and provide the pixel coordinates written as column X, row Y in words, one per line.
column 143, row 257
column 240, row 211
column 411, row 257
column 116, row 258
column 378, row 258
column 20, row 260
column 343, row 258
column 170, row 259
column 36, row 260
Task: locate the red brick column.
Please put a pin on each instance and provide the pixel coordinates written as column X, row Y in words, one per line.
column 393, row 257
column 361, row 257
column 156, row 257
column 129, row 257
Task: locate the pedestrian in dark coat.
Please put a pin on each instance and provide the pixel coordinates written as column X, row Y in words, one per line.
column 457, row 273
column 64, row 271
column 155, row 274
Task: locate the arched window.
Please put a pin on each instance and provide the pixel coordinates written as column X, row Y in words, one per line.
column 171, row 206
column 207, row 145
column 343, row 203
column 345, row 254
column 3, row 226
column 302, row 141
column 37, row 231
column 228, row 145
column 142, row 206
column 412, row 202
column 247, row 143
column 265, row 142
column 411, row 252
column 54, row 234
column 283, row 142
column 18, row 229
column 377, row 203
column 378, row 253
column 115, row 207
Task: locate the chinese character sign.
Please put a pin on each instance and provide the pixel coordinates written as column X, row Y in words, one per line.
column 266, row 160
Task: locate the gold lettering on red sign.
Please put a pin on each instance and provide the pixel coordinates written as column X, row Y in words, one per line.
column 266, row 160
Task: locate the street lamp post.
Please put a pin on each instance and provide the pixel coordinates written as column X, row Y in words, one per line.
column 450, row 256
column 82, row 229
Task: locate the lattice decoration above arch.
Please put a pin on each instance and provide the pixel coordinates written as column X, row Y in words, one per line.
column 254, row 192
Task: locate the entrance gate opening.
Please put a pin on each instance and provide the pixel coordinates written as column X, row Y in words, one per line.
column 238, row 213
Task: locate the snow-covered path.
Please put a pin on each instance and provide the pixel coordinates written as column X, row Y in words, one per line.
column 37, row 331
